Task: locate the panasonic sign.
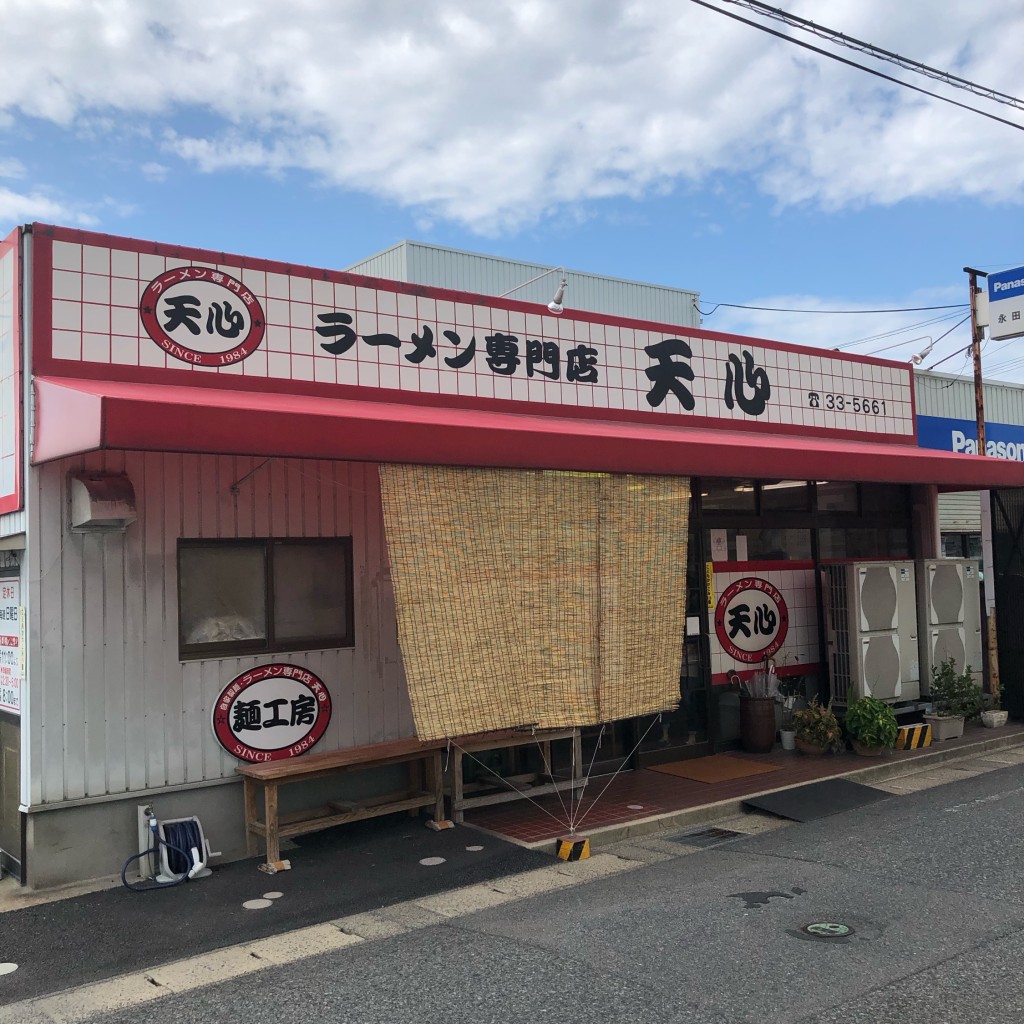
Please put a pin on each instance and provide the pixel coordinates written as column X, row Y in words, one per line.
column 1002, row 440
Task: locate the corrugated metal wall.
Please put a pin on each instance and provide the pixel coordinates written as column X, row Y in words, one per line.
column 113, row 710
column 388, row 263
column 952, row 396
column 960, row 512
column 491, row 275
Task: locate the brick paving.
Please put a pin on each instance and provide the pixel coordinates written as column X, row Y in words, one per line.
column 639, row 794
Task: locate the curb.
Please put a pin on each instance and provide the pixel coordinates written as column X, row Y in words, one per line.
column 602, row 837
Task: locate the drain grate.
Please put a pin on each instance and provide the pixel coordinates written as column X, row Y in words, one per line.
column 706, row 837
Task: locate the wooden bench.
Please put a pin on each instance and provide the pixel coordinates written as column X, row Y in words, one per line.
column 425, row 788
column 460, row 802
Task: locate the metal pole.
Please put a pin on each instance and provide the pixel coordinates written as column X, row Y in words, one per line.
column 979, row 406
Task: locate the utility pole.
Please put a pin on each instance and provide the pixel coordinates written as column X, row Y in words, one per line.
column 979, row 408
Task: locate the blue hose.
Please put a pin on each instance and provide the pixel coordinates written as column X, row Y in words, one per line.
column 182, row 834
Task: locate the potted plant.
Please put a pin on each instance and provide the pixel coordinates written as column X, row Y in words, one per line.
column 791, row 691
column 817, row 729
column 994, row 717
column 871, row 725
column 957, row 700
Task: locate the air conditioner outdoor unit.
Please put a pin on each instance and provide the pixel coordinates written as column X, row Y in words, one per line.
column 949, row 610
column 871, row 626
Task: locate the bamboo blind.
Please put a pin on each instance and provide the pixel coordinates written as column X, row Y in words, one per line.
column 530, row 598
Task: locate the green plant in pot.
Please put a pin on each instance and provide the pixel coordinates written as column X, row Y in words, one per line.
column 871, row 725
column 957, row 699
column 817, row 729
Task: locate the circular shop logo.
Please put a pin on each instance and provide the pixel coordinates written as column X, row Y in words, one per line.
column 271, row 712
column 751, row 619
column 202, row 316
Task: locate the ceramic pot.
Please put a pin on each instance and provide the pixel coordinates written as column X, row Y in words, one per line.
column 808, row 748
column 994, row 719
column 945, row 727
column 867, row 751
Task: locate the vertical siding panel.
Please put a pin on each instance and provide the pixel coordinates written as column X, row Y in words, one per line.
column 277, row 497
column 165, row 590
column 134, row 580
column 212, row 677
column 241, row 507
column 310, row 485
column 73, row 614
column 114, row 698
column 50, row 741
column 209, row 519
column 327, row 489
column 255, row 493
column 201, row 516
column 113, row 667
column 154, row 652
column 227, row 525
column 335, row 492
column 193, row 718
column 355, row 496
column 91, row 680
column 296, row 481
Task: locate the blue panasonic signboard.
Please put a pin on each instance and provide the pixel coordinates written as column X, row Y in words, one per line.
column 1006, row 305
column 1002, row 440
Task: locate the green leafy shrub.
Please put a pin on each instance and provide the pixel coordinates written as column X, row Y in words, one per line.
column 816, row 724
column 955, row 693
column 871, row 722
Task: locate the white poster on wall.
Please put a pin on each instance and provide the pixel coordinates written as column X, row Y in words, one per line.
column 10, row 646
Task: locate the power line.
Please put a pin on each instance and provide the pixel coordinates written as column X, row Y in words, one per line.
column 854, row 64
column 899, row 330
column 844, row 312
column 876, row 51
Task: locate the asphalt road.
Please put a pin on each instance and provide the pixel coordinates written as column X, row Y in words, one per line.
column 931, row 883
column 356, row 868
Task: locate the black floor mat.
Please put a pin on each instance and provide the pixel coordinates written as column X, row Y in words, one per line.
column 816, row 800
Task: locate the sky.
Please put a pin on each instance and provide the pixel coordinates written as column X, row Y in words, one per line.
column 654, row 140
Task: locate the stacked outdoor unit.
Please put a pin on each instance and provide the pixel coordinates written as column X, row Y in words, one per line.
column 871, row 630
column 949, row 614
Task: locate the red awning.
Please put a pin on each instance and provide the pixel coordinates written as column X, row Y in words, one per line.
column 75, row 416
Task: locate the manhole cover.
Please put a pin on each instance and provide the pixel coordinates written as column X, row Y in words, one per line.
column 706, row 837
column 827, row 930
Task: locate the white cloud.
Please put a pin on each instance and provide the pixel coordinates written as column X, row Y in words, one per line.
column 496, row 114
column 11, row 168
column 17, row 207
column 153, row 171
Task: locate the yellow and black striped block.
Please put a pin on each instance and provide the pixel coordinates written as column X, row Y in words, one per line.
column 911, row 737
column 573, row 848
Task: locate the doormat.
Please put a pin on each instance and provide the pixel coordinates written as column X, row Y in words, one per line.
column 716, row 768
column 817, row 800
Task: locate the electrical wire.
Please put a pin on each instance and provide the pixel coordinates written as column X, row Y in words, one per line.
column 859, row 67
column 876, row 51
column 843, row 312
column 898, row 330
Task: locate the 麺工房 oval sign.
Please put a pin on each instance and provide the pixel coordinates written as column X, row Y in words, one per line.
column 751, row 619
column 271, row 712
column 202, row 316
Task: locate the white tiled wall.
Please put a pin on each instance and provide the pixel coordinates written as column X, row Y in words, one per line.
column 96, row 293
